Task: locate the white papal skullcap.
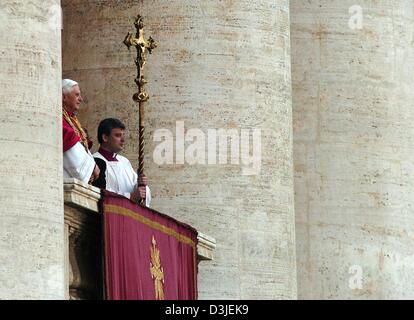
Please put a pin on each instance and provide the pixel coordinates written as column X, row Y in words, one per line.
column 67, row 84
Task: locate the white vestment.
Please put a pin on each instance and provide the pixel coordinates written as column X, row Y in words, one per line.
column 77, row 163
column 121, row 178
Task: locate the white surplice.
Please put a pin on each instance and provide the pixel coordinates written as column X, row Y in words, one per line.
column 121, row 178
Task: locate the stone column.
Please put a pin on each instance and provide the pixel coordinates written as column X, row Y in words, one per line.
column 218, row 65
column 31, row 186
column 353, row 148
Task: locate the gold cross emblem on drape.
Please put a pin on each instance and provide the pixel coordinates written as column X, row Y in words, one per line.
column 157, row 272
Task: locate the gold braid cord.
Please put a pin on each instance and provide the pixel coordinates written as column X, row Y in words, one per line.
column 76, row 126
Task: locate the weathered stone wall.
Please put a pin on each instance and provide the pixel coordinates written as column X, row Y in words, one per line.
column 353, row 148
column 31, row 192
column 219, row 64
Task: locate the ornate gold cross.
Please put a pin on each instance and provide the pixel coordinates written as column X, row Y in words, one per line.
column 141, row 96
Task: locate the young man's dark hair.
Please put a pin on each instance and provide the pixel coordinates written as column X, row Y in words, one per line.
column 106, row 126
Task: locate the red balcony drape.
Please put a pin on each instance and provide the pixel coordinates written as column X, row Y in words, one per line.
column 148, row 255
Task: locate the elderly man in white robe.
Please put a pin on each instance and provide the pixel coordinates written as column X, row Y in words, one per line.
column 117, row 174
column 78, row 161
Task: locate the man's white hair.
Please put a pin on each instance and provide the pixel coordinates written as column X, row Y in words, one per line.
column 67, row 85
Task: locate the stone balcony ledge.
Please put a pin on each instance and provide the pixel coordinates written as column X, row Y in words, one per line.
column 78, row 194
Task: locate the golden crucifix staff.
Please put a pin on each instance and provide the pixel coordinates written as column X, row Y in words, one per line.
column 141, row 96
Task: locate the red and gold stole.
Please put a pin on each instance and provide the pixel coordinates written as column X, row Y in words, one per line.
column 76, row 126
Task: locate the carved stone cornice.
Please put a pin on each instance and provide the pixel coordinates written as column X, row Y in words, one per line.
column 81, row 195
column 206, row 246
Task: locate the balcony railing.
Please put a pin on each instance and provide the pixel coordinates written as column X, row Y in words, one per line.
column 84, row 268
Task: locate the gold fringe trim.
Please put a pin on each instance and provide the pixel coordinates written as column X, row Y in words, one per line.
column 110, row 208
